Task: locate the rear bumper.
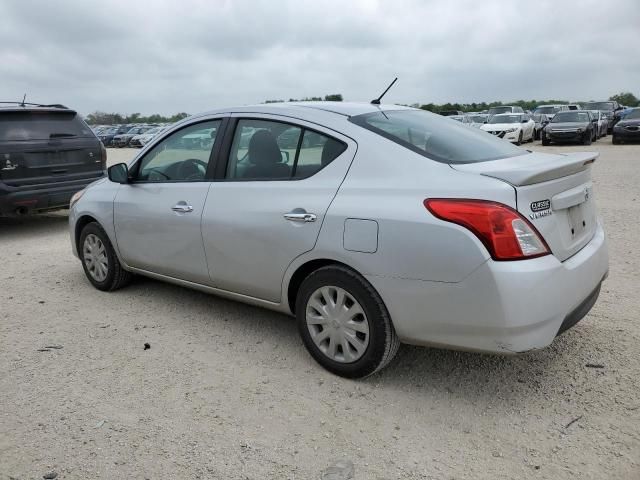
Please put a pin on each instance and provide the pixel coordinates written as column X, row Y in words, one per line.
column 34, row 198
column 502, row 307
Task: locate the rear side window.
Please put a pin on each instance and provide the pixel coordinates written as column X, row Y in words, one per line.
column 437, row 137
column 17, row 126
column 271, row 150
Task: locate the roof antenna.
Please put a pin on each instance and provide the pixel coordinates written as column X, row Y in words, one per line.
column 377, row 100
column 23, row 99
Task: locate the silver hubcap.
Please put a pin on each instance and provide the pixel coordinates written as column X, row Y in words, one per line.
column 95, row 257
column 337, row 324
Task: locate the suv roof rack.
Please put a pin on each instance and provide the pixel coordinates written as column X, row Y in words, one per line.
column 24, row 104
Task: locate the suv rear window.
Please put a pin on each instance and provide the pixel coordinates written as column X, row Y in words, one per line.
column 437, row 137
column 41, row 126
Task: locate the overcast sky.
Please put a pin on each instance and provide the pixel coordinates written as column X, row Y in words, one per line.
column 181, row 55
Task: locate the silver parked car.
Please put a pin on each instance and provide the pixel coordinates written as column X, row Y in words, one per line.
column 373, row 225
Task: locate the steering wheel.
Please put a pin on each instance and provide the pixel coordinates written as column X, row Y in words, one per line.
column 187, row 167
column 155, row 174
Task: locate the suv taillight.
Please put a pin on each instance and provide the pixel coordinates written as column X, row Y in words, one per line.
column 505, row 233
column 103, row 152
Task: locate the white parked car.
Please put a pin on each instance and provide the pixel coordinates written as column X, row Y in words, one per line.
column 371, row 224
column 144, row 138
column 513, row 127
column 478, row 119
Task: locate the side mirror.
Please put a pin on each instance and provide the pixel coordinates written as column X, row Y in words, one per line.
column 119, row 173
column 524, row 120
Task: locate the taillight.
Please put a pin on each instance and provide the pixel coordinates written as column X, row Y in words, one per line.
column 103, row 152
column 506, row 234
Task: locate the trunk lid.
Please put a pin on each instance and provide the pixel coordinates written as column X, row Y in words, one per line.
column 553, row 191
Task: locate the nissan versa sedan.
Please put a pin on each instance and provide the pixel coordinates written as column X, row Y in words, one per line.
column 380, row 225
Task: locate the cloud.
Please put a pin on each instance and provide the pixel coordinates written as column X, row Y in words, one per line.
column 191, row 56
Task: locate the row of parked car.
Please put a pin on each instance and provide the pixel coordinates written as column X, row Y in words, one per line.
column 130, row 135
column 584, row 123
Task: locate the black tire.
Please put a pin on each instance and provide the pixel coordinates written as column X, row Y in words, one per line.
column 117, row 277
column 383, row 340
column 585, row 140
column 519, row 142
column 615, row 140
column 545, row 140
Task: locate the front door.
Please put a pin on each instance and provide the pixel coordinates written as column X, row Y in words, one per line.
column 157, row 216
column 268, row 209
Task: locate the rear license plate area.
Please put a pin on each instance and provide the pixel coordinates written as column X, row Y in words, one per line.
column 577, row 220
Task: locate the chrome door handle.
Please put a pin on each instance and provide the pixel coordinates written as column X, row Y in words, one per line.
column 300, row 217
column 182, row 207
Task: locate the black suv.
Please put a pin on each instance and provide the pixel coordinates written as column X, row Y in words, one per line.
column 47, row 153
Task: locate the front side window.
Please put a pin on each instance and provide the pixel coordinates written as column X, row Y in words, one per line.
column 271, row 150
column 436, row 137
column 181, row 157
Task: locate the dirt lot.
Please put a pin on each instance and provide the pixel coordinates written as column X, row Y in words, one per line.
column 227, row 391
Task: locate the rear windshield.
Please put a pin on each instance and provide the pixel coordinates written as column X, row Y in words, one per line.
column 571, row 117
column 606, row 106
column 546, row 110
column 41, row 126
column 496, row 110
column 436, row 137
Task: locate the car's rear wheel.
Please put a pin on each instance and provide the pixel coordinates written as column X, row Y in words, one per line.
column 344, row 324
column 99, row 259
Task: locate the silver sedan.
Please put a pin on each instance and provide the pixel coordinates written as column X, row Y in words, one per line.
column 371, row 224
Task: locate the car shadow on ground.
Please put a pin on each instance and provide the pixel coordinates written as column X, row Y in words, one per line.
column 12, row 228
column 415, row 369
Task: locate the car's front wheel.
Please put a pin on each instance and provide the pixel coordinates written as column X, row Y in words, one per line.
column 545, row 140
column 99, row 259
column 344, row 324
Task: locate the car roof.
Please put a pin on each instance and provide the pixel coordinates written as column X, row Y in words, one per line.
column 28, row 107
column 303, row 109
column 508, row 114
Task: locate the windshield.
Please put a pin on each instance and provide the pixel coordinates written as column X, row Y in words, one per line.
column 505, row 119
column 153, row 130
column 496, row 110
column 41, row 126
column 458, row 118
column 633, row 114
column 606, row 106
column 537, row 117
column 436, row 137
column 547, row 110
column 571, row 117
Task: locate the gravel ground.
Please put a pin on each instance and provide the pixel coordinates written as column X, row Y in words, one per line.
column 227, row 391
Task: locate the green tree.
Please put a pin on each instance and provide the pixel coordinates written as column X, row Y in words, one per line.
column 626, row 98
column 336, row 97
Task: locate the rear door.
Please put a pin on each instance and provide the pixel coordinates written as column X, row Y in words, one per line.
column 50, row 145
column 269, row 203
column 554, row 192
